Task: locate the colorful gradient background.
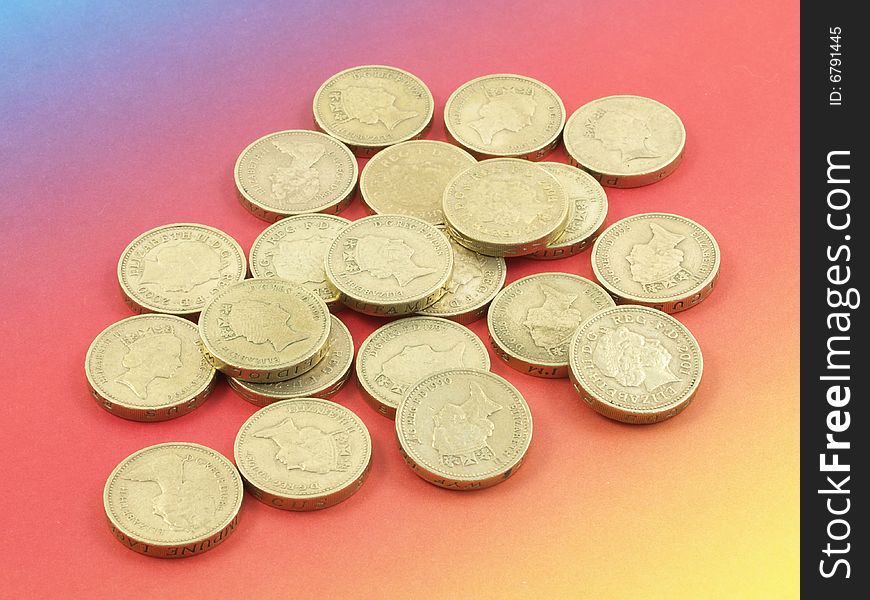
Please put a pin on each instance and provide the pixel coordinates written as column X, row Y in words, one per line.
column 119, row 118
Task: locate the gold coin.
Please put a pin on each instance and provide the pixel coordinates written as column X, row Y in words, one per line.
column 409, row 178
column 659, row 260
column 175, row 269
column 625, row 141
column 589, row 201
column 464, row 429
column 505, row 207
column 505, row 115
column 399, row 354
column 371, row 107
column 149, row 368
column 476, row 280
column 295, row 172
column 265, row 330
column 635, row 364
column 532, row 320
column 388, row 265
column 294, row 249
column 322, row 381
column 303, row 454
column 173, row 500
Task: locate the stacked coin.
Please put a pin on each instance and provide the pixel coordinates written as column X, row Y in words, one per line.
column 625, row 141
column 410, row 178
column 173, row 500
column 389, row 265
column 372, row 107
column 464, row 429
column 505, row 207
column 303, row 454
column 295, row 172
column 294, row 249
column 399, row 354
column 532, row 320
column 265, row 330
column 588, row 203
column 149, row 368
column 476, row 280
column 322, row 381
column 505, row 115
column 660, row 260
column 175, row 269
column 635, row 364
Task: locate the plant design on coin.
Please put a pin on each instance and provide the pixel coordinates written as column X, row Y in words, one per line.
column 186, row 498
column 552, row 324
column 412, row 363
column 462, row 430
column 531, row 321
column 657, row 264
column 307, row 448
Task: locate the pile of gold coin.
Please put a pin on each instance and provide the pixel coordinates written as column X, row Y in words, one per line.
column 444, row 217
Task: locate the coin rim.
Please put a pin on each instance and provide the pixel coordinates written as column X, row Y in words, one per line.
column 272, row 368
column 400, row 302
column 427, row 122
column 281, row 493
column 150, row 308
column 345, row 194
column 370, row 395
column 476, row 310
column 507, row 467
column 553, row 140
column 244, row 387
column 577, row 373
column 258, row 241
column 525, row 359
column 380, row 156
column 138, row 408
column 528, row 246
column 235, row 475
column 557, row 244
column 585, row 164
column 632, row 298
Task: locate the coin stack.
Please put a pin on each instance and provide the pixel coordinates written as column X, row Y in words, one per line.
column 434, row 252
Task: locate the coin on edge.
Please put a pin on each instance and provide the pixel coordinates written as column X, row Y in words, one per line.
column 175, row 269
column 389, row 265
column 409, row 178
column 265, row 330
column 532, row 320
column 373, row 106
column 625, row 141
column 149, row 368
column 659, row 260
column 505, row 115
column 303, row 454
column 477, row 278
column 173, row 500
column 294, row 249
column 505, row 207
column 586, row 222
column 322, row 381
column 295, row 172
column 635, row 364
column 401, row 353
column 464, row 429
